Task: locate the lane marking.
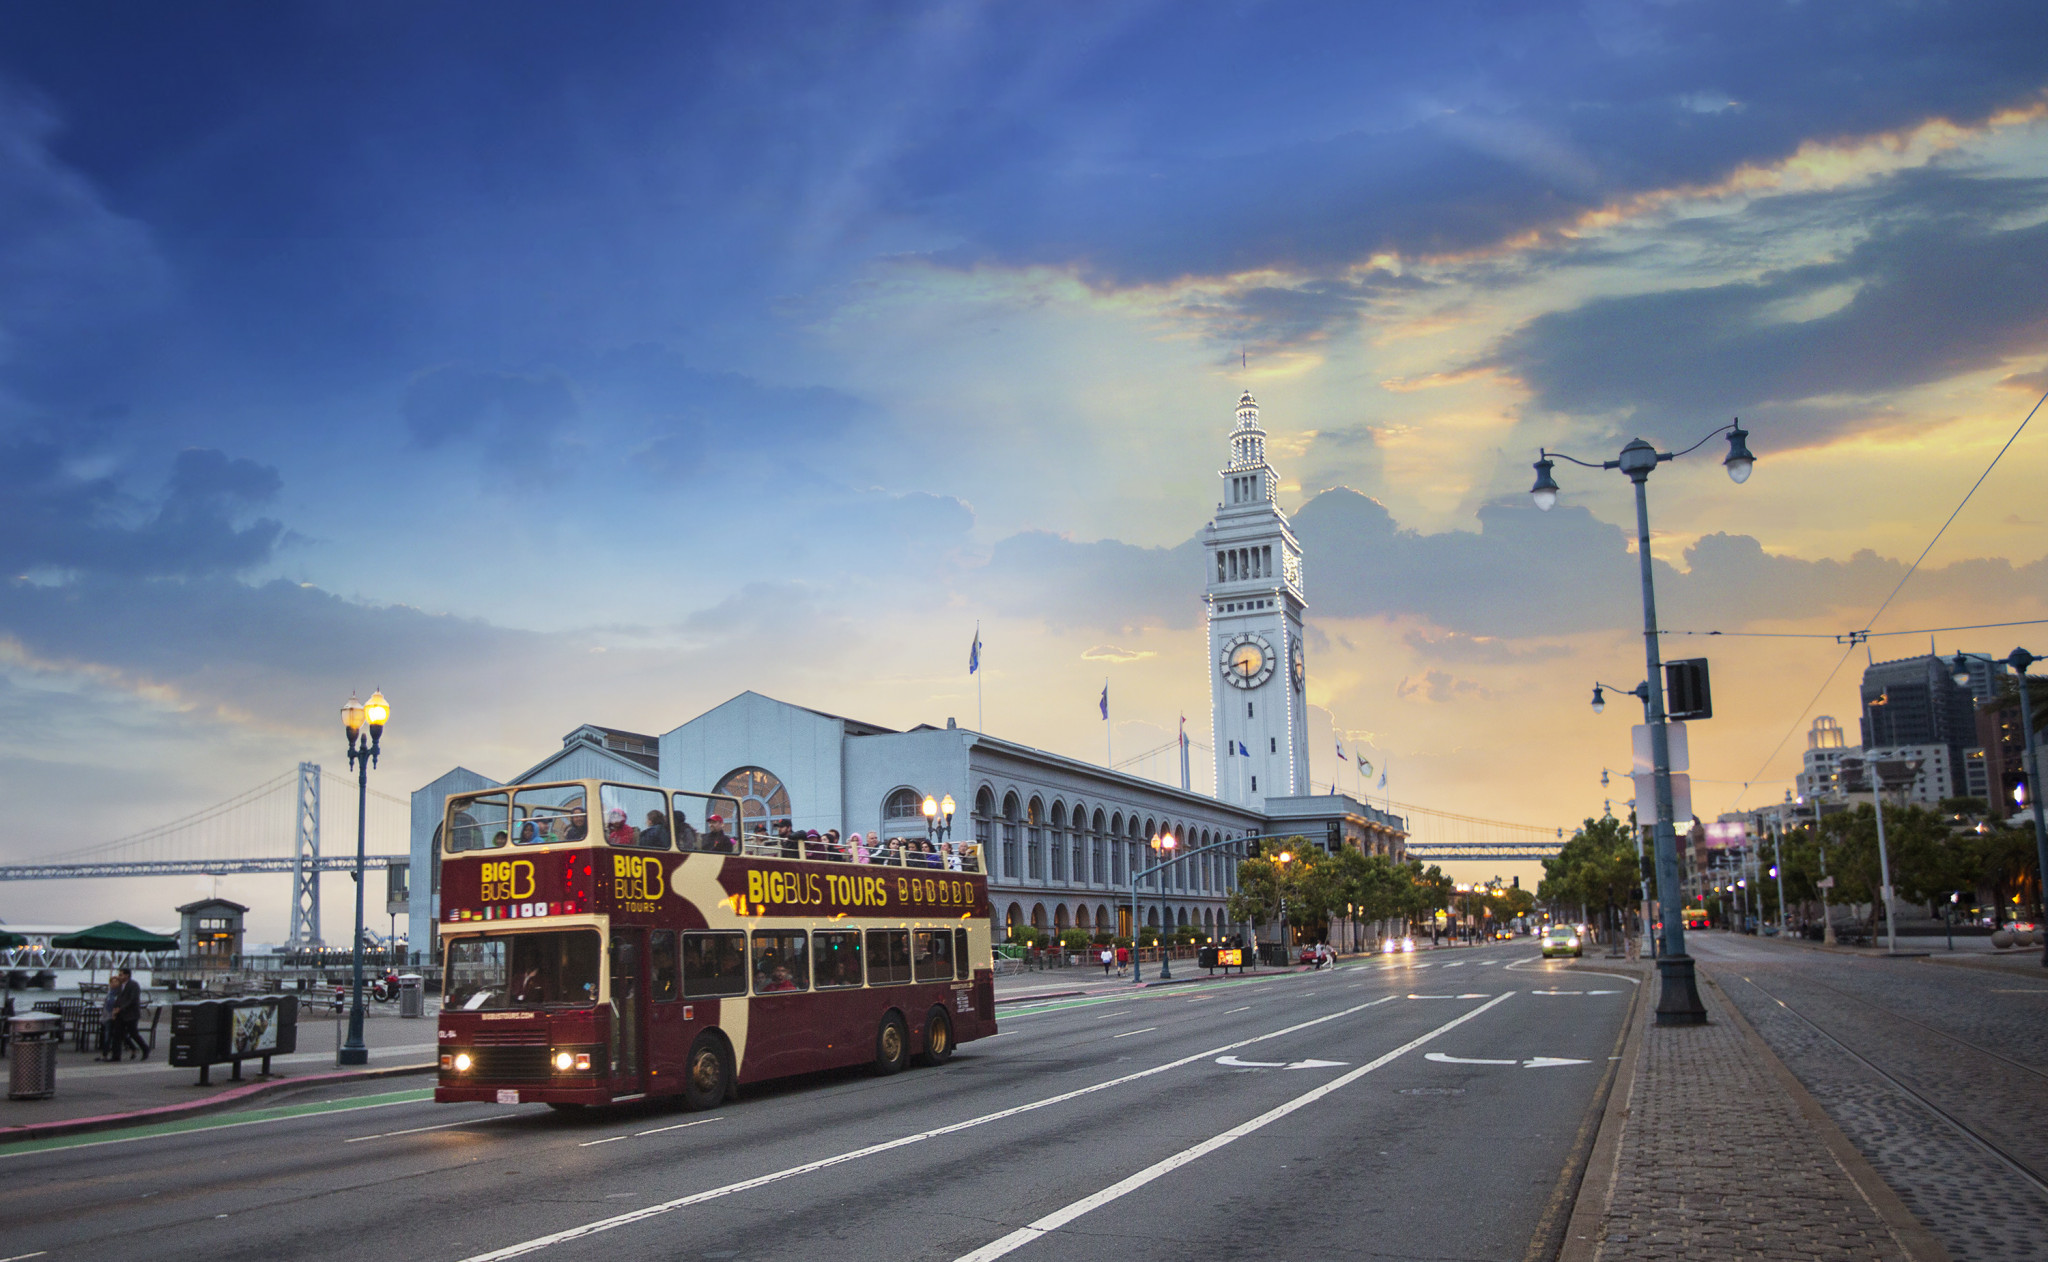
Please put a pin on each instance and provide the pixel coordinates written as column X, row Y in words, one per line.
column 613, row 1140
column 1232, row 1062
column 1127, row 1033
column 1228, row 1011
column 23, row 1257
column 1443, row 1058
column 1551, row 1062
column 188, row 1125
column 1450, row 996
column 438, row 1126
column 662, row 1130
column 1059, row 1218
column 825, row 1163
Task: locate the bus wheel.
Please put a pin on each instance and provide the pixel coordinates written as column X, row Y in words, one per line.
column 705, row 1074
column 892, row 1045
column 938, row 1038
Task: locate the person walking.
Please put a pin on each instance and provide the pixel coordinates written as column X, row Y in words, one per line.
column 1123, row 958
column 1108, row 958
column 128, row 1020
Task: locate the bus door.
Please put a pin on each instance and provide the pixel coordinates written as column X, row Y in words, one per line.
column 629, row 1010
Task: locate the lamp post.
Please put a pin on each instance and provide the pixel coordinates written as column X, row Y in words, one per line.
column 1678, row 1002
column 1163, row 845
column 2019, row 660
column 363, row 748
column 938, row 820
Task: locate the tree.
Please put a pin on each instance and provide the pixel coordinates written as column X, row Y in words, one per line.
column 1306, row 881
column 1597, row 868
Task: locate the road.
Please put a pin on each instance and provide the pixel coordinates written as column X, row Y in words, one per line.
column 1420, row 1108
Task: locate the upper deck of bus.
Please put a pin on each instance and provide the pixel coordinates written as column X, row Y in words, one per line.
column 554, row 815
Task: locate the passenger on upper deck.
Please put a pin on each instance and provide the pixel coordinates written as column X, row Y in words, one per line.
column 715, row 839
column 655, row 835
column 579, row 826
column 860, row 848
column 529, row 834
column 617, row 831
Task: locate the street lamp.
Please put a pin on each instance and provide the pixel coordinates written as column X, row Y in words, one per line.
column 2019, row 660
column 938, row 820
column 363, row 748
column 1679, row 1000
column 1163, row 845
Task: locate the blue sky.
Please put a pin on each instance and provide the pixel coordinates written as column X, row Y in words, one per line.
column 548, row 365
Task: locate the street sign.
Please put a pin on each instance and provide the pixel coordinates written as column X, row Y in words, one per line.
column 1646, row 797
column 1674, row 734
column 1686, row 691
column 1826, row 883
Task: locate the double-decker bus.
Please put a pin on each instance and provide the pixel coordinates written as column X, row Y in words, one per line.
column 607, row 942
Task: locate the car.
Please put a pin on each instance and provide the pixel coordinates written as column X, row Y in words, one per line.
column 1562, row 940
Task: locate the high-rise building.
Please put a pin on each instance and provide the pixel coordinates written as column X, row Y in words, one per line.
column 1820, row 776
column 1259, row 668
column 1914, row 702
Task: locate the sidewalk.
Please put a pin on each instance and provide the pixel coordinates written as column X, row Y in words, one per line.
column 1709, row 1147
column 95, row 1096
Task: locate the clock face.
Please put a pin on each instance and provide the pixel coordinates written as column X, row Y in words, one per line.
column 1298, row 665
column 1247, row 660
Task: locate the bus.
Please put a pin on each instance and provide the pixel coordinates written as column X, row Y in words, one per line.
column 665, row 944
column 1695, row 918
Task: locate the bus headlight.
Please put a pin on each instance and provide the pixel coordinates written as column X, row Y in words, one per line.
column 564, row 1062
column 463, row 1061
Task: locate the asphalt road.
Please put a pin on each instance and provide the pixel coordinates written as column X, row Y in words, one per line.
column 1087, row 1127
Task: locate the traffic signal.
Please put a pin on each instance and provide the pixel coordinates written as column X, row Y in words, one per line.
column 1686, row 692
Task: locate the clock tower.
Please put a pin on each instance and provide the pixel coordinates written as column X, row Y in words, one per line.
column 1257, row 669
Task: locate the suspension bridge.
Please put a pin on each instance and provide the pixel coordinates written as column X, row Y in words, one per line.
column 1434, row 836
column 275, row 827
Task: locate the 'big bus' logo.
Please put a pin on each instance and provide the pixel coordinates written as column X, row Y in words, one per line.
column 637, row 878
column 506, row 881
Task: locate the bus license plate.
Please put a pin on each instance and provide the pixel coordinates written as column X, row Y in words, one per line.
column 508, row 1097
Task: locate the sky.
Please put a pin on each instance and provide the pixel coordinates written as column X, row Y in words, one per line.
column 545, row 365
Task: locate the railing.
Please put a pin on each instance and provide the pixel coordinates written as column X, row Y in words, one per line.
column 953, row 856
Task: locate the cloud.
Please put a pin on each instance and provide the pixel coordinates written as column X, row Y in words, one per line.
column 1438, row 687
column 1938, row 287
column 1106, row 585
column 519, row 421
column 62, row 520
column 1111, row 653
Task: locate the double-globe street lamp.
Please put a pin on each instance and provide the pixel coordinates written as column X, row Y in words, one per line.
column 365, row 725
column 2019, row 660
column 1678, row 1002
column 938, row 820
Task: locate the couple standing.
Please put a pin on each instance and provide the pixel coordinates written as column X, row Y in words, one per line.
column 122, row 1018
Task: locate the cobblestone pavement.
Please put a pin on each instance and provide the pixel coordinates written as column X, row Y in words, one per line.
column 1705, row 1117
column 1973, row 1043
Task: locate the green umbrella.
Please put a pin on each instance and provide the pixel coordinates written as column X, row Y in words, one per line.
column 115, row 935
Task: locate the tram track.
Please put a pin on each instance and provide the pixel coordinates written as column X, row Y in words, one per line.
column 1896, row 1015
column 1971, row 1134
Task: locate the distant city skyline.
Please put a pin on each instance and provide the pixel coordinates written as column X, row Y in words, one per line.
column 545, row 371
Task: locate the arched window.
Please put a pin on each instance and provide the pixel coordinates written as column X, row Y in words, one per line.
column 1097, row 866
column 1116, row 848
column 1038, row 915
column 1034, row 840
column 905, row 805
column 1011, row 809
column 984, row 826
column 1081, row 916
column 1059, row 918
column 1012, row 919
column 764, row 803
column 1101, row 915
column 1077, row 844
column 1058, row 841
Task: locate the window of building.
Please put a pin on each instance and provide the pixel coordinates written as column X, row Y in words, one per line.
column 1059, row 842
column 903, row 804
column 1034, row 840
column 1010, row 810
column 764, row 802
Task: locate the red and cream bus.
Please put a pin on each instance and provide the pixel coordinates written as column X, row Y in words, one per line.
column 653, row 946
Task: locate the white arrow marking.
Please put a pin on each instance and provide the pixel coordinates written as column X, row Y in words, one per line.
column 1557, row 992
column 1317, row 1064
column 1546, row 1062
column 1232, row 1062
column 1443, row 1059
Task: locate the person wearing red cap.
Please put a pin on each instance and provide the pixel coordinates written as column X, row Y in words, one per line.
column 714, row 835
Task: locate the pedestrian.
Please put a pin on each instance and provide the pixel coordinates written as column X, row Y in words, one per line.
column 1123, row 959
column 128, row 1020
column 1107, row 960
column 109, row 1003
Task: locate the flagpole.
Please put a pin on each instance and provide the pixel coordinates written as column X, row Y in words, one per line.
column 979, row 676
column 1108, row 729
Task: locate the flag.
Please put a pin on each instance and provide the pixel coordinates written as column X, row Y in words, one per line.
column 1183, row 731
column 1340, row 749
column 1105, row 701
column 1364, row 765
column 1242, row 750
column 1383, row 778
column 974, row 654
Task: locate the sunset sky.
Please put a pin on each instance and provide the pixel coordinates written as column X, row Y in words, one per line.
column 548, row 364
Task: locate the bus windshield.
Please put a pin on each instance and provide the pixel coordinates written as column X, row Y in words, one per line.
column 522, row 970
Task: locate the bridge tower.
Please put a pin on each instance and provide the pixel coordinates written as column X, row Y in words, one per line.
column 306, row 867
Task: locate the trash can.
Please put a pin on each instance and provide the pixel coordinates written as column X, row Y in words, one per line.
column 32, row 1047
column 412, row 1000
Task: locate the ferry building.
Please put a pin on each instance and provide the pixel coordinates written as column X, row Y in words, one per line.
column 1061, row 836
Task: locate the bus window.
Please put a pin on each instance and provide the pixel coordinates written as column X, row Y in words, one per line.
column 704, row 823
column 548, row 815
column 479, row 823
column 662, row 973
column 524, row 970
column 888, row 956
column 960, row 969
column 781, row 962
column 838, row 958
column 714, row 964
column 935, row 955
column 634, row 817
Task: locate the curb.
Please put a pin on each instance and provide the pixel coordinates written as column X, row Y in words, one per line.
column 1583, row 1230
column 172, row 1112
column 1913, row 1238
